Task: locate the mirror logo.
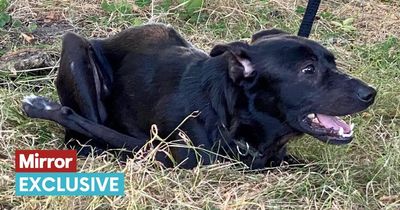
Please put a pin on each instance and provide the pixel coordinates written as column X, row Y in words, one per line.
column 54, row 173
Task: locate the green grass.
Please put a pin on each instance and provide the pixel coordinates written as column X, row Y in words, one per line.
column 361, row 175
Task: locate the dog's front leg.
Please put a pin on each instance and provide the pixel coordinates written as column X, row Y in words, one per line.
column 282, row 157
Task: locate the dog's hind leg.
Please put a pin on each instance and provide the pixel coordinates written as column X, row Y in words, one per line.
column 83, row 82
column 43, row 108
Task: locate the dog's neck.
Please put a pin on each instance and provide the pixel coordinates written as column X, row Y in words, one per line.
column 237, row 111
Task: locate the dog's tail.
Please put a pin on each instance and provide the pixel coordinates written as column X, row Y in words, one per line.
column 43, row 108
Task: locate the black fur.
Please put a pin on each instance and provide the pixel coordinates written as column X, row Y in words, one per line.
column 113, row 90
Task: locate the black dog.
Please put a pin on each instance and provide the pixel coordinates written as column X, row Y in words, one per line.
column 251, row 98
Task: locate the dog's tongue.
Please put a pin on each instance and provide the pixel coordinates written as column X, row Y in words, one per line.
column 333, row 122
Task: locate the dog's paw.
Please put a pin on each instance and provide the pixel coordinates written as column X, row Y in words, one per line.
column 34, row 105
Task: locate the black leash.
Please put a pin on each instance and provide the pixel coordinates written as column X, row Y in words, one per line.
column 308, row 19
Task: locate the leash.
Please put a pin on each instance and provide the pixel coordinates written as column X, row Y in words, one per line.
column 308, row 18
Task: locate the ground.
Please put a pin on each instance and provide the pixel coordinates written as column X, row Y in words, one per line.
column 363, row 34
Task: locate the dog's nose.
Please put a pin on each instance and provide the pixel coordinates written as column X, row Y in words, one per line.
column 366, row 94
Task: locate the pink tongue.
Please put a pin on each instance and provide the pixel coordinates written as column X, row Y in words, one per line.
column 333, row 122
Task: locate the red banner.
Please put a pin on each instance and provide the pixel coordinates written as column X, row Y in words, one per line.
column 45, row 161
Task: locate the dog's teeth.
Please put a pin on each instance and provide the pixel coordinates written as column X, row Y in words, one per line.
column 348, row 134
column 352, row 127
column 341, row 131
column 315, row 120
column 311, row 116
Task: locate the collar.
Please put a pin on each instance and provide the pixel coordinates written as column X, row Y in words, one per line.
column 243, row 148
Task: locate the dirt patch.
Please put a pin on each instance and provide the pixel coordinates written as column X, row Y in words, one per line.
column 375, row 21
column 50, row 32
column 27, row 59
column 44, row 33
column 32, row 44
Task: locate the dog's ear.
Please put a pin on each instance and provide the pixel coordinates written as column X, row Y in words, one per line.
column 264, row 34
column 238, row 59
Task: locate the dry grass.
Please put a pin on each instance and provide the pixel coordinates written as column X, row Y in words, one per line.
column 361, row 175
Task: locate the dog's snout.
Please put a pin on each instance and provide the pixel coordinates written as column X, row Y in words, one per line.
column 366, row 94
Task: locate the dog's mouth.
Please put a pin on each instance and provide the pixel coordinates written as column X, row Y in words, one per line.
column 329, row 129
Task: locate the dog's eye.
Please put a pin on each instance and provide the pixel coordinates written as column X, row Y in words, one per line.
column 308, row 69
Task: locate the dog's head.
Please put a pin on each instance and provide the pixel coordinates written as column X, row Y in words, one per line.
column 297, row 81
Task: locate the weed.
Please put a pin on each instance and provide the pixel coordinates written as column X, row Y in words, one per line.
column 346, row 25
column 4, row 16
column 119, row 7
column 192, row 9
